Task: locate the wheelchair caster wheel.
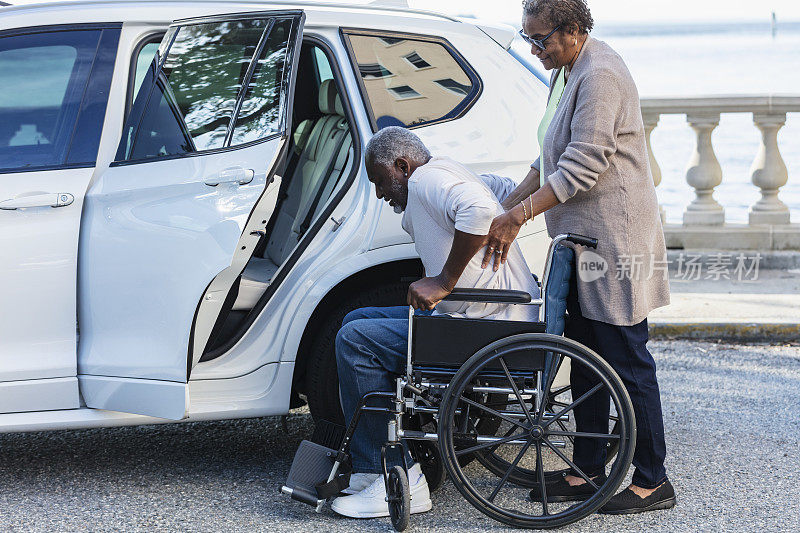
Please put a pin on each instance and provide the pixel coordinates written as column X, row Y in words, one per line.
column 398, row 495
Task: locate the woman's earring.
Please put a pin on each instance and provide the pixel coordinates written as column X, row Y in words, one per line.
column 575, row 43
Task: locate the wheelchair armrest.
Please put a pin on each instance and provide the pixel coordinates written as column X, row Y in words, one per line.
column 489, row 296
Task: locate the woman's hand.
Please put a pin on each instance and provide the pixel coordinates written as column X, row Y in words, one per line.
column 427, row 292
column 502, row 233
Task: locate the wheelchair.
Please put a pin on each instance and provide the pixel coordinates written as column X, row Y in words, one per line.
column 489, row 404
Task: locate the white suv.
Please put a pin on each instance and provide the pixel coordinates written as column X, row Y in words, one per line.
column 184, row 213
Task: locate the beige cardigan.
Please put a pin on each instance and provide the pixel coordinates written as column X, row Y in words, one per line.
column 595, row 158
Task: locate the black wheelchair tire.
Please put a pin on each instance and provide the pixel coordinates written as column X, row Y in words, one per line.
column 398, row 494
column 576, row 351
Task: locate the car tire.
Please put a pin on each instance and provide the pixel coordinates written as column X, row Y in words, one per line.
column 322, row 381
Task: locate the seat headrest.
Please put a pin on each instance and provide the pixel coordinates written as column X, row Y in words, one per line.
column 329, row 101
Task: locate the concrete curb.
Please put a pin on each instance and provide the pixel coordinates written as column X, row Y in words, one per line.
column 729, row 331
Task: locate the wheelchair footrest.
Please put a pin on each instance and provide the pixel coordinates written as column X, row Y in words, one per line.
column 308, row 476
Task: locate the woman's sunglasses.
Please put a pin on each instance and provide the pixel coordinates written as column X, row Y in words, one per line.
column 538, row 43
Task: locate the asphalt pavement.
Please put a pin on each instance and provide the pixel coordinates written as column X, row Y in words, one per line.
column 732, row 415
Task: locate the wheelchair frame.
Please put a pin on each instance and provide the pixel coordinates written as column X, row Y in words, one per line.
column 413, row 395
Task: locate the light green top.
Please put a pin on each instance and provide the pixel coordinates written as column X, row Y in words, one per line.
column 552, row 105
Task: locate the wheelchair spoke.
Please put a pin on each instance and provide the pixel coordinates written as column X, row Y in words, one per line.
column 551, row 376
column 571, row 464
column 516, row 392
column 493, row 448
column 571, row 406
column 508, row 472
column 490, row 444
column 613, row 418
column 564, row 428
column 492, row 411
column 542, row 481
column 560, row 391
column 584, row 434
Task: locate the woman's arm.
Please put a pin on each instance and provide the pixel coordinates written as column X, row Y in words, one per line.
column 505, row 227
column 528, row 186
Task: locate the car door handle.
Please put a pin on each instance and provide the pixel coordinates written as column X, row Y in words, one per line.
column 239, row 175
column 52, row 199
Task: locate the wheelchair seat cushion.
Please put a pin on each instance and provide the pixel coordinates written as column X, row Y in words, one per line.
column 562, row 267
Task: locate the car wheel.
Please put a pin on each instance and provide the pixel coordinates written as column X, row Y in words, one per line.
column 322, row 381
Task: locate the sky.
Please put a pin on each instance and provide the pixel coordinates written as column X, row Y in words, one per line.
column 630, row 10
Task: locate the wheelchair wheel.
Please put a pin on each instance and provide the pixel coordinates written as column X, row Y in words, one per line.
column 499, row 462
column 398, row 494
column 533, row 439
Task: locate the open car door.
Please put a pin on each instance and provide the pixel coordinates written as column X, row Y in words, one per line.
column 170, row 226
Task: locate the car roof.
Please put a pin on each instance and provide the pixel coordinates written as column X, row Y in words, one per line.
column 76, row 11
column 378, row 14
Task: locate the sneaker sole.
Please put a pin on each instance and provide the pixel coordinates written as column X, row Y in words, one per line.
column 665, row 504
column 424, row 508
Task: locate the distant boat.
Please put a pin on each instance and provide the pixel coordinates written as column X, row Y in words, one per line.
column 774, row 25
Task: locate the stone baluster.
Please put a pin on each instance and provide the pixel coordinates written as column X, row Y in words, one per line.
column 768, row 172
column 650, row 123
column 704, row 174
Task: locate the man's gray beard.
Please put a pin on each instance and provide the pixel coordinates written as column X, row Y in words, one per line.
column 397, row 192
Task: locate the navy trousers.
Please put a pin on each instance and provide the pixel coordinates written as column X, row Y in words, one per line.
column 624, row 348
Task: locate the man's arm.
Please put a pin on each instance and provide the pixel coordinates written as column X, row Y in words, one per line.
column 427, row 292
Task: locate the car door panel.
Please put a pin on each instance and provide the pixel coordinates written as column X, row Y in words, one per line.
column 153, row 251
column 169, row 227
column 54, row 84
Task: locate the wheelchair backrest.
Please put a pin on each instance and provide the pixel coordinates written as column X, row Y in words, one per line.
column 562, row 268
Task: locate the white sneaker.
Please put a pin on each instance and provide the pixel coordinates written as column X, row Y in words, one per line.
column 371, row 502
column 360, row 481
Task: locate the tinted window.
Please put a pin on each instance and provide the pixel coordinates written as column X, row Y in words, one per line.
column 260, row 113
column 188, row 105
column 324, row 71
column 410, row 81
column 143, row 60
column 43, row 111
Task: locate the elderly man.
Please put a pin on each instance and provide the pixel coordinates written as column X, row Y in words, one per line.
column 447, row 211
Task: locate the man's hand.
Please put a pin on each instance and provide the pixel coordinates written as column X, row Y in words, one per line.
column 427, row 292
column 504, row 230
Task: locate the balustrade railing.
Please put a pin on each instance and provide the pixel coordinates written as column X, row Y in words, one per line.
column 768, row 171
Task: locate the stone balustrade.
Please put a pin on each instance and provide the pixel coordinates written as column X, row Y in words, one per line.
column 704, row 226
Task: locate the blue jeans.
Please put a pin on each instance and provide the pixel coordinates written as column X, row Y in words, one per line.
column 371, row 351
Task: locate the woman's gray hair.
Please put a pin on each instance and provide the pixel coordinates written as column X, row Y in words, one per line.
column 569, row 14
column 393, row 142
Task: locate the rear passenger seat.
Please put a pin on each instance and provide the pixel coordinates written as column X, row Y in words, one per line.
column 325, row 148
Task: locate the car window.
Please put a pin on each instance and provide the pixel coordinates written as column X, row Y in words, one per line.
column 143, row 60
column 260, row 113
column 46, row 109
column 412, row 81
column 323, row 65
column 199, row 87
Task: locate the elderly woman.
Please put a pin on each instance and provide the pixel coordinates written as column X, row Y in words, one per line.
column 593, row 177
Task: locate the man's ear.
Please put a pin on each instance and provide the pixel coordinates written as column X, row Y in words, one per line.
column 402, row 165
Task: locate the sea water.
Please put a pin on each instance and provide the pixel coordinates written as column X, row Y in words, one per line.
column 715, row 59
